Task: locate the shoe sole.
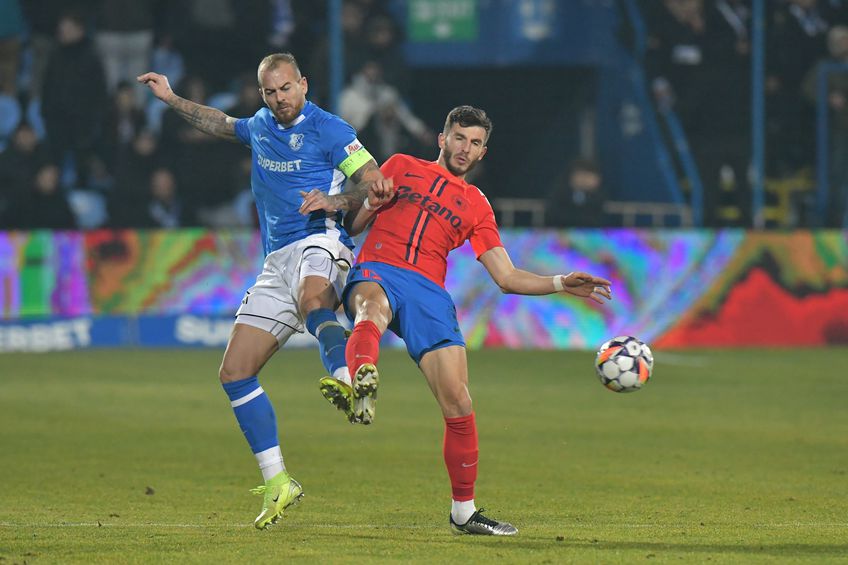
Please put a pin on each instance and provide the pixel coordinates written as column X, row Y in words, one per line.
column 365, row 384
column 339, row 400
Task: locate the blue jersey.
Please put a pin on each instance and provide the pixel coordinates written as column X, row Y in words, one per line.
column 319, row 151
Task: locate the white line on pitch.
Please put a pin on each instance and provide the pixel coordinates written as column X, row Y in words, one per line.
column 200, row 526
column 411, row 527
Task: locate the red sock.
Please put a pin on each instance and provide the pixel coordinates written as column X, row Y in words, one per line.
column 363, row 345
column 461, row 455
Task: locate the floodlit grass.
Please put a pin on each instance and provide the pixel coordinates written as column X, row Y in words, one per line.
column 135, row 457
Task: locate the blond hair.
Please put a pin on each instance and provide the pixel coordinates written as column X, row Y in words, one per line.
column 271, row 62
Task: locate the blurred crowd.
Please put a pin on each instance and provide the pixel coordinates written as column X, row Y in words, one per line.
column 83, row 145
column 699, row 59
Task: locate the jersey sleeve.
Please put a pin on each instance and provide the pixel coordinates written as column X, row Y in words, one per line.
column 243, row 129
column 390, row 167
column 345, row 151
column 484, row 235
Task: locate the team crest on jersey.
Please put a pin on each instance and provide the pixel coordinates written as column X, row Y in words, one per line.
column 459, row 202
column 296, row 141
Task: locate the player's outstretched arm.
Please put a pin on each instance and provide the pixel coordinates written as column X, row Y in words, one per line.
column 516, row 281
column 206, row 119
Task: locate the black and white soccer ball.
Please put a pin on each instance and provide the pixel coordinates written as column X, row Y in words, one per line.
column 624, row 364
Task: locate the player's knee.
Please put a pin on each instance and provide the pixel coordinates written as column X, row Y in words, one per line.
column 456, row 403
column 373, row 311
column 230, row 372
column 315, row 293
column 307, row 305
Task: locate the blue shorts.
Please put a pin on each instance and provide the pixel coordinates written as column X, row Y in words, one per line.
column 423, row 313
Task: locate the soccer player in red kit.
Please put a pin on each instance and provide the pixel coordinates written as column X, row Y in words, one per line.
column 398, row 283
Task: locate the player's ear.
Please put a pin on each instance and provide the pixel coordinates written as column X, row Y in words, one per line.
column 483, row 152
column 305, row 84
column 442, row 140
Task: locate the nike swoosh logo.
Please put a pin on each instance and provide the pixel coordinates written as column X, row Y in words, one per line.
column 464, row 465
column 262, row 138
column 413, row 175
column 276, row 498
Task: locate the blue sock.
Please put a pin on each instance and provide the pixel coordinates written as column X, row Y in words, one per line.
column 331, row 338
column 254, row 413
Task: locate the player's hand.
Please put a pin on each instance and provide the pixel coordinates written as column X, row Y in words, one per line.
column 380, row 192
column 157, row 83
column 585, row 285
column 315, row 200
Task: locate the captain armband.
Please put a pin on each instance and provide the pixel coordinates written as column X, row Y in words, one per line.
column 354, row 161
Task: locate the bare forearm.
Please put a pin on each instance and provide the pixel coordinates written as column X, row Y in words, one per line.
column 527, row 283
column 206, row 119
column 351, row 199
column 358, row 217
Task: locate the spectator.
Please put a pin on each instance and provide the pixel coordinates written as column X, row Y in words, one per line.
column 675, row 58
column 310, row 27
column 11, row 115
column 383, row 47
column 282, row 24
column 19, row 164
column 835, row 11
column 164, row 208
column 42, row 17
column 43, row 205
column 240, row 210
column 74, row 98
column 249, row 99
column 125, row 42
column 168, row 61
column 123, row 123
column 218, row 37
column 354, row 52
column 837, row 100
column 252, row 32
column 797, row 41
column 722, row 147
column 132, row 180
column 234, row 206
column 175, row 131
column 578, row 197
column 183, row 147
column 383, row 119
column 11, row 30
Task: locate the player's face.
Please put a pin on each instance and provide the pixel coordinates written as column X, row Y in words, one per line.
column 462, row 148
column 284, row 92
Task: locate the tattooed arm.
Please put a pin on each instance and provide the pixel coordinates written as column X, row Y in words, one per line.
column 366, row 181
column 206, row 119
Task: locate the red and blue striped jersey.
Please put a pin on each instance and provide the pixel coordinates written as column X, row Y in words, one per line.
column 433, row 212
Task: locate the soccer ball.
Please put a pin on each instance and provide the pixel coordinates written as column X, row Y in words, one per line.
column 624, row 364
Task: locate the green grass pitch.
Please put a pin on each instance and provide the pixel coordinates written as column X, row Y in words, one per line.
column 135, row 457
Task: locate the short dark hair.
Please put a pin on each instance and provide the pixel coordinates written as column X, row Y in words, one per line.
column 271, row 61
column 468, row 116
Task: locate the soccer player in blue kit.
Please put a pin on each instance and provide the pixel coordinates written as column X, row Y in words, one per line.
column 302, row 156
